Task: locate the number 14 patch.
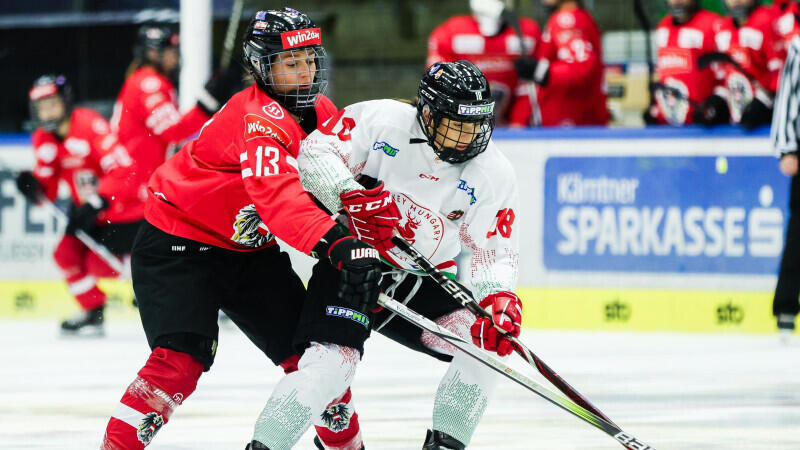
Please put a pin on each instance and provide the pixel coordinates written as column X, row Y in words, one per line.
column 502, row 223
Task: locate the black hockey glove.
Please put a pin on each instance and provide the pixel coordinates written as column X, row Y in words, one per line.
column 533, row 70
column 83, row 217
column 360, row 266
column 29, row 186
column 220, row 88
column 649, row 117
column 713, row 111
column 755, row 114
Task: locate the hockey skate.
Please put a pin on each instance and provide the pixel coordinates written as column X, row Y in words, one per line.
column 85, row 323
column 785, row 327
column 436, row 440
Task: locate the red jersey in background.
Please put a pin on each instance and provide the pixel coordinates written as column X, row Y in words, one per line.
column 575, row 93
column 460, row 38
column 679, row 47
column 753, row 47
column 147, row 120
column 89, row 155
column 237, row 184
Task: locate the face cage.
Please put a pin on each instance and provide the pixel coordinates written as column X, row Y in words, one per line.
column 682, row 11
column 741, row 12
column 284, row 85
column 48, row 125
column 447, row 151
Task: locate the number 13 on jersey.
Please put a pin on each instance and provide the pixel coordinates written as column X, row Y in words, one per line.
column 267, row 159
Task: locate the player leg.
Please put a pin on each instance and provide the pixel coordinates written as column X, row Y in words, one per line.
column 284, row 300
column 179, row 290
column 70, row 255
column 785, row 304
column 463, row 392
column 332, row 337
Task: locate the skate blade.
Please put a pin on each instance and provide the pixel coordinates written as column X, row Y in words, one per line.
column 88, row 332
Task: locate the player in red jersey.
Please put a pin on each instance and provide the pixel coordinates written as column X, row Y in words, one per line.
column 572, row 88
column 146, row 116
column 487, row 40
column 686, row 93
column 213, row 212
column 786, row 23
column 748, row 36
column 76, row 146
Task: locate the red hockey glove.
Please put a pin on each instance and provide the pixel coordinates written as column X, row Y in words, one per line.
column 506, row 310
column 372, row 216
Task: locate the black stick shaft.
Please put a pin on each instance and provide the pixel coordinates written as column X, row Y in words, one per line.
column 496, row 364
column 463, row 297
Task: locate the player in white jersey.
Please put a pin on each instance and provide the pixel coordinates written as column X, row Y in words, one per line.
column 430, row 173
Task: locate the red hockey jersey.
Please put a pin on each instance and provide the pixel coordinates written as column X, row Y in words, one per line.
column 679, row 47
column 786, row 13
column 147, row 120
column 89, row 155
column 576, row 91
column 237, row 184
column 753, row 47
column 459, row 38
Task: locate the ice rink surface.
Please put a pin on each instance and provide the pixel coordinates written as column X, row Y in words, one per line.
column 673, row 391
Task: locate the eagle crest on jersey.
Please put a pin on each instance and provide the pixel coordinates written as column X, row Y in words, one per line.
column 674, row 106
column 150, row 425
column 741, row 94
column 336, row 417
column 249, row 230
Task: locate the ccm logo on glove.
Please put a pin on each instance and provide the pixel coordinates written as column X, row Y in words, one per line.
column 369, row 206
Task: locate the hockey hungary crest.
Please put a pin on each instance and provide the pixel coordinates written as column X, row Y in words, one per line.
column 420, row 226
column 336, row 417
column 249, row 230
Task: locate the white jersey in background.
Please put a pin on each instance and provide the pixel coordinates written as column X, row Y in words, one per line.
column 450, row 212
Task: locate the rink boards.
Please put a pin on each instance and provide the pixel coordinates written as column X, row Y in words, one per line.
column 657, row 229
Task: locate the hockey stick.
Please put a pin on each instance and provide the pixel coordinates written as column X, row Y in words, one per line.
column 96, row 247
column 536, row 111
column 644, row 21
column 464, row 297
column 230, row 34
column 101, row 250
column 520, row 378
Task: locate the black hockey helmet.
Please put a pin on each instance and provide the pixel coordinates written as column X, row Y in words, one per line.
column 455, row 110
column 45, row 87
column 683, row 13
column 273, row 37
column 154, row 36
column 741, row 12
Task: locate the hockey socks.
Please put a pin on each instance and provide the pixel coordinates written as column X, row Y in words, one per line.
column 462, row 397
column 464, row 391
column 324, row 372
column 165, row 381
column 337, row 427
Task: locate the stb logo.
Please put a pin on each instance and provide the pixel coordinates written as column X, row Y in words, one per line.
column 273, row 110
column 729, row 313
column 617, row 311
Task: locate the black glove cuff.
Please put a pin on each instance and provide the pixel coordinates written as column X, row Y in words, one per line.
column 322, row 248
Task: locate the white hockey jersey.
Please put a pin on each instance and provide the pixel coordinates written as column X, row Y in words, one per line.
column 450, row 212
